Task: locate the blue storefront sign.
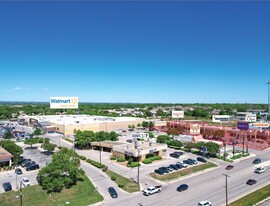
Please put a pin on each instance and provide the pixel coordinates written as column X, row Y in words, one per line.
column 243, row 125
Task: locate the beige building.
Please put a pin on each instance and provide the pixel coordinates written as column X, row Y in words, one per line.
column 66, row 124
column 142, row 150
column 5, row 157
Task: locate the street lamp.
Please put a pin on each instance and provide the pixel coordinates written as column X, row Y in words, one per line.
column 268, row 98
column 138, row 178
column 226, row 187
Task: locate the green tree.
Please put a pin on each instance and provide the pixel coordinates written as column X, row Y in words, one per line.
column 12, row 148
column 31, row 141
column 151, row 124
column 48, row 146
column 37, row 132
column 62, row 172
column 145, row 124
column 138, row 125
column 8, row 135
column 160, row 112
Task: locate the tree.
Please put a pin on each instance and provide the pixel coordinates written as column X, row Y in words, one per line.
column 160, row 112
column 133, row 126
column 268, row 117
column 37, row 132
column 8, row 135
column 138, row 125
column 151, row 124
column 145, row 124
column 62, row 172
column 31, row 141
column 48, row 146
column 12, row 148
column 129, row 126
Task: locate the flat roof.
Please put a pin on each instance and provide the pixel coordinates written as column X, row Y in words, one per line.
column 79, row 119
column 106, row 143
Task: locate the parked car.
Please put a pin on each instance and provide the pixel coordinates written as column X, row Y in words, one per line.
column 188, row 162
column 26, row 182
column 259, row 170
column 182, row 164
column 182, row 187
column 229, row 167
column 29, row 163
column 165, row 169
column 193, row 161
column 175, row 167
column 112, row 192
column 205, row 203
column 178, row 153
column 174, row 155
column 33, row 166
column 251, row 182
column 257, row 161
column 18, row 171
column 159, row 171
column 24, row 162
column 7, row 186
column 201, row 159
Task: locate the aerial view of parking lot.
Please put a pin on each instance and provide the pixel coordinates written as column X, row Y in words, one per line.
column 138, row 103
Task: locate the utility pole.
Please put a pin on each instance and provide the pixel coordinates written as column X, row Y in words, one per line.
column 224, row 155
column 243, row 142
column 99, row 153
column 226, row 187
column 138, row 179
column 20, row 193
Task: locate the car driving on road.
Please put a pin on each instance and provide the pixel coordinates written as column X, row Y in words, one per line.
column 182, row 187
column 259, row 170
column 112, row 192
column 152, row 190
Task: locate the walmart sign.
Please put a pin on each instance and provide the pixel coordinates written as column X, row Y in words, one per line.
column 64, row 102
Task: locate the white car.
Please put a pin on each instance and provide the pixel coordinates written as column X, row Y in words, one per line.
column 205, row 203
column 259, row 170
column 26, row 182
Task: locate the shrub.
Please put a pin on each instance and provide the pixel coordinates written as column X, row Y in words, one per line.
column 133, row 164
column 121, row 159
column 113, row 178
column 105, row 168
column 113, row 157
column 82, row 157
column 155, row 158
column 121, row 185
column 147, row 161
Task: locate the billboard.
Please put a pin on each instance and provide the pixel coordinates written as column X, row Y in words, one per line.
column 220, row 118
column 260, row 124
column 195, row 129
column 251, row 118
column 243, row 125
column 177, row 114
column 64, row 102
column 140, row 136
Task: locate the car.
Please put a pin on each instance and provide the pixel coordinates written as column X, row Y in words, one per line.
column 112, row 192
column 26, row 182
column 24, row 162
column 174, row 155
column 159, row 171
column 152, row 190
column 205, row 203
column 200, row 159
column 7, row 186
column 182, row 187
column 18, row 171
column 229, row 167
column 251, row 182
column 29, row 163
column 33, row 166
column 193, row 161
column 175, row 167
column 259, row 170
column 182, row 164
column 165, row 169
column 170, row 169
column 257, row 161
column 178, row 153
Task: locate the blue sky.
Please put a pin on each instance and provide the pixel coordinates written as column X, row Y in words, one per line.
column 167, row 52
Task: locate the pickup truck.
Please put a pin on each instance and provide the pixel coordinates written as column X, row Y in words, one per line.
column 152, row 190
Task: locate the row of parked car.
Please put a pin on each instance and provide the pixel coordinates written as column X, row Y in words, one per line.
column 28, row 164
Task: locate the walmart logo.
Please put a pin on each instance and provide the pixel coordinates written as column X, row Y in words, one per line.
column 63, row 102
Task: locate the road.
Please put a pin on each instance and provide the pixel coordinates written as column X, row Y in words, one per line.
column 207, row 186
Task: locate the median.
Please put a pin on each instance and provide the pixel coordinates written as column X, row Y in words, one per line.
column 182, row 172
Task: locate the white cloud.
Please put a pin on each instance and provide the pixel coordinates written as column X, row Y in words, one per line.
column 17, row 88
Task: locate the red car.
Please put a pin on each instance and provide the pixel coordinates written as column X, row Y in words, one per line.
column 229, row 167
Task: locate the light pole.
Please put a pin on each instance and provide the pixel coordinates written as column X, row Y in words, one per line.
column 226, row 187
column 138, row 178
column 268, row 98
column 99, row 153
column 20, row 193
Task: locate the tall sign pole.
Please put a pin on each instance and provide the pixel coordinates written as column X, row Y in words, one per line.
column 268, row 97
column 243, row 126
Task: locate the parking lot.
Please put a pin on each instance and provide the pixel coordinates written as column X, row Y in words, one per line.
column 34, row 154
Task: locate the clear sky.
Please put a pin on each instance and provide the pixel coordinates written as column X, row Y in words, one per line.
column 167, row 52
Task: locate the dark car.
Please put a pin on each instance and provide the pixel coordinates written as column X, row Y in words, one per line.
column 257, row 161
column 29, row 163
column 160, row 172
column 165, row 169
column 174, row 155
column 112, row 192
column 32, row 167
column 229, row 167
column 7, row 186
column 200, row 159
column 189, row 162
column 178, row 153
column 18, row 171
column 182, row 187
column 24, row 162
column 251, row 182
column 175, row 167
